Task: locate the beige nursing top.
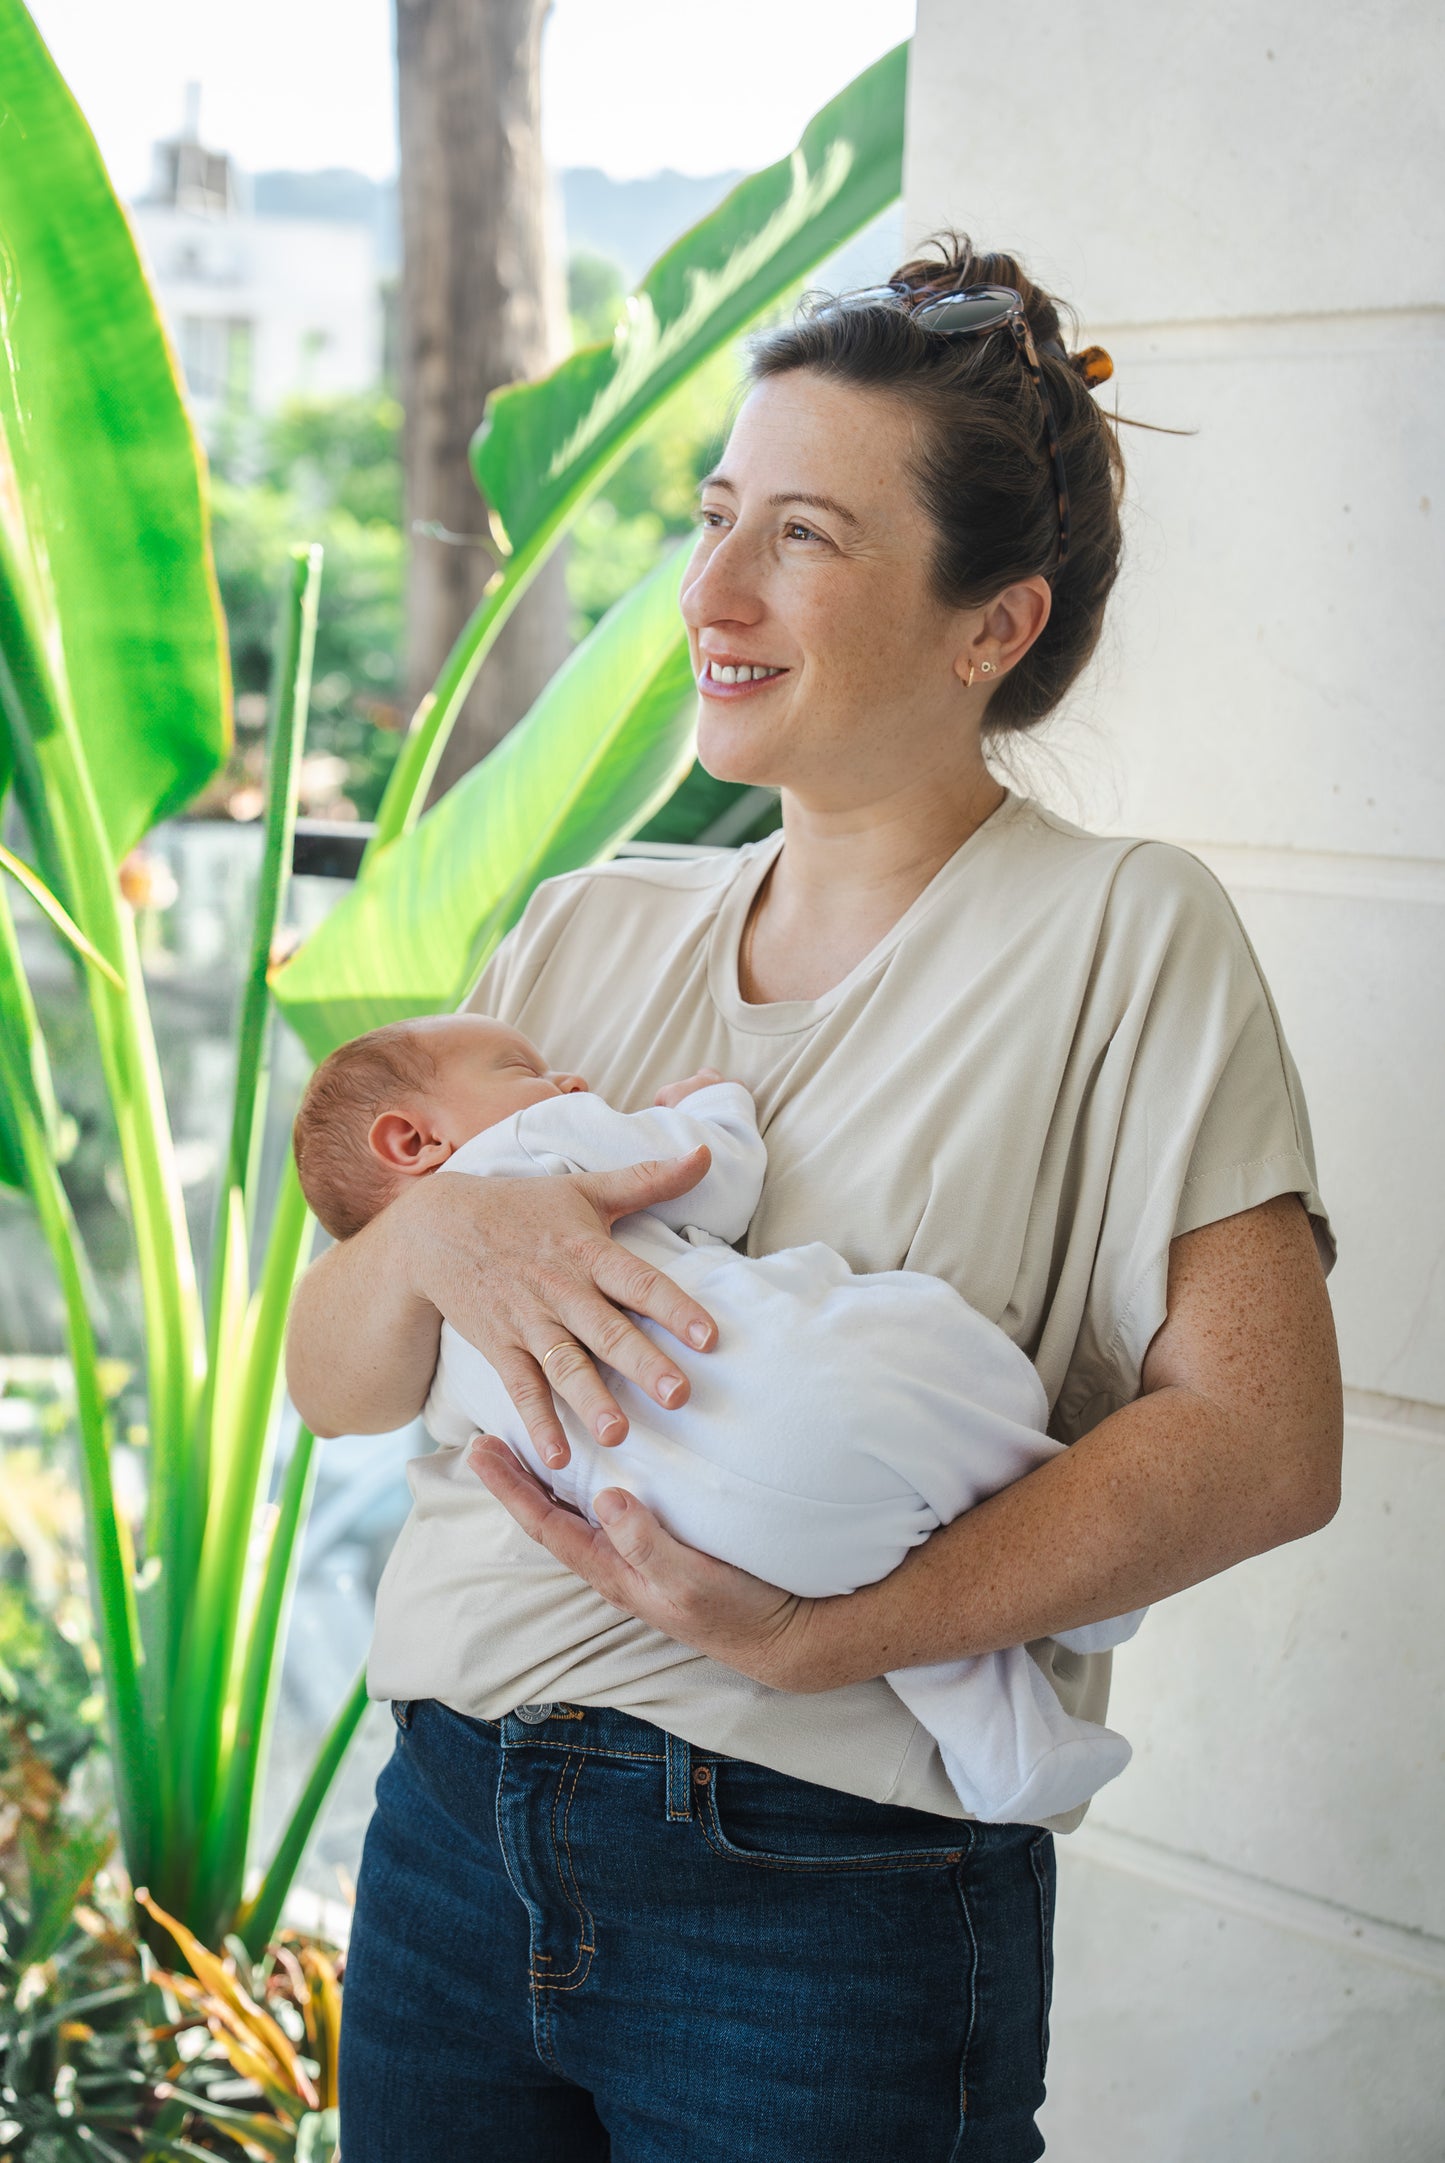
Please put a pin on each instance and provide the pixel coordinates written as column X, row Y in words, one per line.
column 1061, row 1056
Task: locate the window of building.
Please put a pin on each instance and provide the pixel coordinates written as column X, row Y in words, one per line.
column 216, row 356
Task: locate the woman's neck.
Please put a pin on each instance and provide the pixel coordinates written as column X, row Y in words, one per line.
column 842, row 880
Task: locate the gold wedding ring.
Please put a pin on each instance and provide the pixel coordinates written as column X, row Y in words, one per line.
column 564, row 1346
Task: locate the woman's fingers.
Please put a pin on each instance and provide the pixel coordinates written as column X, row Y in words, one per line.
column 569, row 1538
column 635, row 1564
column 623, row 1276
column 563, row 1368
column 525, row 1271
column 526, row 1384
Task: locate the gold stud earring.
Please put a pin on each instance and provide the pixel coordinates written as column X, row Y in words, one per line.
column 988, row 667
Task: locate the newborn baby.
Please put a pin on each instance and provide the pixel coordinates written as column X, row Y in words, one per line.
column 840, row 1419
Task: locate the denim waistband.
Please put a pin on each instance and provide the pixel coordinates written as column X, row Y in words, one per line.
column 597, row 1731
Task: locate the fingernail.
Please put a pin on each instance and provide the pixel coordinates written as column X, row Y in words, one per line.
column 670, row 1388
column 610, row 1428
column 610, row 1505
column 554, row 1454
column 697, row 1334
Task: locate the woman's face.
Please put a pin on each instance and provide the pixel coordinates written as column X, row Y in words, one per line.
column 813, row 563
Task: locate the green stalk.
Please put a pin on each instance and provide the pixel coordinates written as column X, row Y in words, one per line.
column 256, row 1925
column 296, row 647
column 236, row 1426
column 63, row 817
column 230, row 1260
column 207, row 1672
column 112, row 1594
column 223, row 1856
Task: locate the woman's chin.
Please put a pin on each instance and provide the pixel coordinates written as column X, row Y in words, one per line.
column 725, row 754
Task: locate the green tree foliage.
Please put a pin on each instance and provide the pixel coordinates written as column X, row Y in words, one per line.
column 329, row 467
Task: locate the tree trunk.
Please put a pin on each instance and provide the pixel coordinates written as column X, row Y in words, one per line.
column 477, row 310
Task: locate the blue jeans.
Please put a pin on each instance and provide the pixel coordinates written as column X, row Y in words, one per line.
column 578, row 1939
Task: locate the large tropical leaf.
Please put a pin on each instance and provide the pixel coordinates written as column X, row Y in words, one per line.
column 607, row 741
column 102, row 510
column 543, row 449
column 542, row 443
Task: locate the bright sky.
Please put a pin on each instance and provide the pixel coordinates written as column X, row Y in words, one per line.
column 630, row 85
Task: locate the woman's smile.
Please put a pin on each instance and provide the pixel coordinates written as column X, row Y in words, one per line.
column 728, row 676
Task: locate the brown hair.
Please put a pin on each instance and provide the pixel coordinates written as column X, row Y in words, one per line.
column 982, row 466
column 343, row 1182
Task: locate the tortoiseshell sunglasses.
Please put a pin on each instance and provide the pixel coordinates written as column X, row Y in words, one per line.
column 974, row 312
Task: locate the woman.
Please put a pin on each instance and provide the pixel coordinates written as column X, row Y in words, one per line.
column 661, row 1870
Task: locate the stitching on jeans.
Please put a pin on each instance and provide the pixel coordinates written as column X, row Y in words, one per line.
column 892, row 1859
column 1046, row 1949
column 581, row 1749
column 972, row 2020
column 586, row 1944
column 574, row 1766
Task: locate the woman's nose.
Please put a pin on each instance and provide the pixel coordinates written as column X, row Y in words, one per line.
column 721, row 588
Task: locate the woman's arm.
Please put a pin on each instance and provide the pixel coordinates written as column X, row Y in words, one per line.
column 1233, row 1448
column 517, row 1266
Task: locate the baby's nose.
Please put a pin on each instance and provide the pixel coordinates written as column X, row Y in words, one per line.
column 569, row 1084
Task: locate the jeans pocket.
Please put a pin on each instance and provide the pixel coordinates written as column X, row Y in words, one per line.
column 768, row 1821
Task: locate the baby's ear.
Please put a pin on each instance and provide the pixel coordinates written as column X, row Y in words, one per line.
column 403, row 1146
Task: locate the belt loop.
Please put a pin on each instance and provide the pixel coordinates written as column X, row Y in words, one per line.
column 679, row 1779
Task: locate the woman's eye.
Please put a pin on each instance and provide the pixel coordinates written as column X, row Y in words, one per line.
column 709, row 518
column 796, row 526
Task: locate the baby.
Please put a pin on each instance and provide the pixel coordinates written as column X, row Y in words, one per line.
column 839, row 1421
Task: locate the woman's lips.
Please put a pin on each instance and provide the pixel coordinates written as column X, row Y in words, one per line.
column 715, row 686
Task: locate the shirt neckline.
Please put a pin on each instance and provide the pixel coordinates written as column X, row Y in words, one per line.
column 782, row 1017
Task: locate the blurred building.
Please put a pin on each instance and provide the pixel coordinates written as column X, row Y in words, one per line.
column 1251, row 1951
column 261, row 308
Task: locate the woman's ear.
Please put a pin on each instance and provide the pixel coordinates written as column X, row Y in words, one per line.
column 403, row 1146
column 1015, row 618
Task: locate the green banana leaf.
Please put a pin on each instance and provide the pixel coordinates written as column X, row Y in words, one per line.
column 103, row 537
column 607, row 741
column 541, row 443
column 543, row 449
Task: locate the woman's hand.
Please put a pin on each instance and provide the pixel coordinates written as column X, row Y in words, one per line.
column 638, row 1566
column 525, row 1270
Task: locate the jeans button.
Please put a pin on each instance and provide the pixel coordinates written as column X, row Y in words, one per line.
column 533, row 1714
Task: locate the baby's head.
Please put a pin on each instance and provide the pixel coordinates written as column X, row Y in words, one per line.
column 395, row 1103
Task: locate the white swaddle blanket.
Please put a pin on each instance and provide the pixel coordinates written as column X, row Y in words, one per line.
column 840, row 1419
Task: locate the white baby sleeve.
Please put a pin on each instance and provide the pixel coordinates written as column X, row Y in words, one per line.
column 581, row 1133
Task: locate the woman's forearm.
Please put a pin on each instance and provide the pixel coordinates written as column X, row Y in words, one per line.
column 361, row 1345
column 1163, row 1494
column 1233, row 1449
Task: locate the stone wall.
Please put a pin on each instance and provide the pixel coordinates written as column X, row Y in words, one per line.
column 1245, row 206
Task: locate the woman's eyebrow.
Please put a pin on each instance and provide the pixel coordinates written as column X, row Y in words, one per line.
column 789, row 495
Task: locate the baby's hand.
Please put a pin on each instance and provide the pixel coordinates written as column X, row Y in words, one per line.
column 674, row 1092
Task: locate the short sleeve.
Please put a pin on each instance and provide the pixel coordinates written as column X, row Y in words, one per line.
column 1197, row 1100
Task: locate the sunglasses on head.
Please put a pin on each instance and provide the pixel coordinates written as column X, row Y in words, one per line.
column 975, row 311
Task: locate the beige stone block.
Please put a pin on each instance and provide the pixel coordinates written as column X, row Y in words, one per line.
column 1243, row 159
column 1271, row 667
column 1186, row 2031
column 1288, row 1717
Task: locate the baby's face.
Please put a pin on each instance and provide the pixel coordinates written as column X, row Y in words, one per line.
column 485, row 1072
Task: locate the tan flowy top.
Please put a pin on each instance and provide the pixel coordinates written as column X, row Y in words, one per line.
column 1059, row 1058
